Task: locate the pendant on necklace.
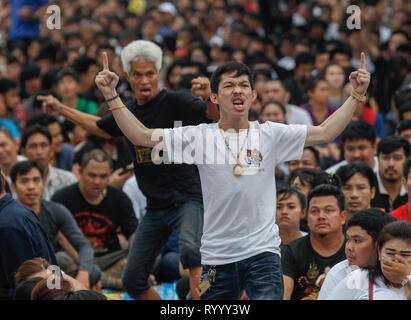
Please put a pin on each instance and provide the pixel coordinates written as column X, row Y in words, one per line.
column 238, row 169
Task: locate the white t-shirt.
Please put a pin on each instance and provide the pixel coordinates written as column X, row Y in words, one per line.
column 239, row 211
column 336, row 274
column 355, row 286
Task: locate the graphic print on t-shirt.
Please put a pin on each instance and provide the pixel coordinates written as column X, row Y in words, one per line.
column 311, row 282
column 254, row 157
column 143, row 154
column 97, row 228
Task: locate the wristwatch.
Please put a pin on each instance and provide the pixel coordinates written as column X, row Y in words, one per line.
column 406, row 280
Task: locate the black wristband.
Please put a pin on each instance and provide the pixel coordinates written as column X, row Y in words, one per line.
column 111, row 99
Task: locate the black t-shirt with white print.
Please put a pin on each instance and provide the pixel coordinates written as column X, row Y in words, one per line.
column 308, row 269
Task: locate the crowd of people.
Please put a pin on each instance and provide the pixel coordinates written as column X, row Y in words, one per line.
column 88, row 184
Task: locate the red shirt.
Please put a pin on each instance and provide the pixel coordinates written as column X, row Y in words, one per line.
column 401, row 213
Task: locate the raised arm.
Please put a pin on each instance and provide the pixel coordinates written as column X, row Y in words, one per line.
column 132, row 128
column 335, row 124
column 88, row 121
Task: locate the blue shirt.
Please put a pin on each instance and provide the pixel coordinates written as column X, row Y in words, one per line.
column 65, row 158
column 20, row 28
column 21, row 238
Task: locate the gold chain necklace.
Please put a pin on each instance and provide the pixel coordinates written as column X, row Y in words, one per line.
column 238, row 168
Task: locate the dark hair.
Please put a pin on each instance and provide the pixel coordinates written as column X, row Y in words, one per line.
column 405, row 107
column 29, row 71
column 67, row 72
column 347, row 171
column 323, row 190
column 230, row 67
column 357, row 130
column 278, row 103
column 313, row 82
column 316, row 154
column 96, row 155
column 7, row 84
column 392, row 143
column 341, row 49
column 304, row 174
column 29, row 131
column 404, row 125
column 81, row 64
column 400, row 229
column 304, row 58
column 43, row 119
column 288, row 192
column 401, row 96
column 324, row 177
column 372, row 220
column 23, row 167
column 406, row 168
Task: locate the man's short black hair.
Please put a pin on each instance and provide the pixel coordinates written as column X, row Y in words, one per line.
column 357, row 130
column 230, row 67
column 372, row 220
column 29, row 131
column 43, row 119
column 324, row 190
column 316, row 154
column 341, row 49
column 392, row 143
column 23, row 167
column 402, row 109
column 407, row 166
column 347, row 171
column 404, row 125
column 67, row 72
column 81, row 64
column 29, row 71
column 304, row 58
column 7, row 84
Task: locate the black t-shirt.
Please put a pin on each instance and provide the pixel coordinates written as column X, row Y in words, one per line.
column 303, row 264
column 99, row 223
column 164, row 185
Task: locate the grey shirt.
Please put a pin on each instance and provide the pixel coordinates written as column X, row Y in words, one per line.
column 56, row 217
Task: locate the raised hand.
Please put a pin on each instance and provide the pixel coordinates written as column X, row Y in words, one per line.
column 200, row 87
column 360, row 79
column 106, row 80
column 50, row 104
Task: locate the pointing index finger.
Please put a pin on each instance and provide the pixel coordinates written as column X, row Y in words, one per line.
column 105, row 61
column 363, row 63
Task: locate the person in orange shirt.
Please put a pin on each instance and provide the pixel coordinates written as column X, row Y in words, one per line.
column 404, row 212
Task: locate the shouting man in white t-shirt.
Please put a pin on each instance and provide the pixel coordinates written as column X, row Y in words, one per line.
column 235, row 157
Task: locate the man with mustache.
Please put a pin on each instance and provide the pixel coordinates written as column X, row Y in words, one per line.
column 307, row 260
column 392, row 151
